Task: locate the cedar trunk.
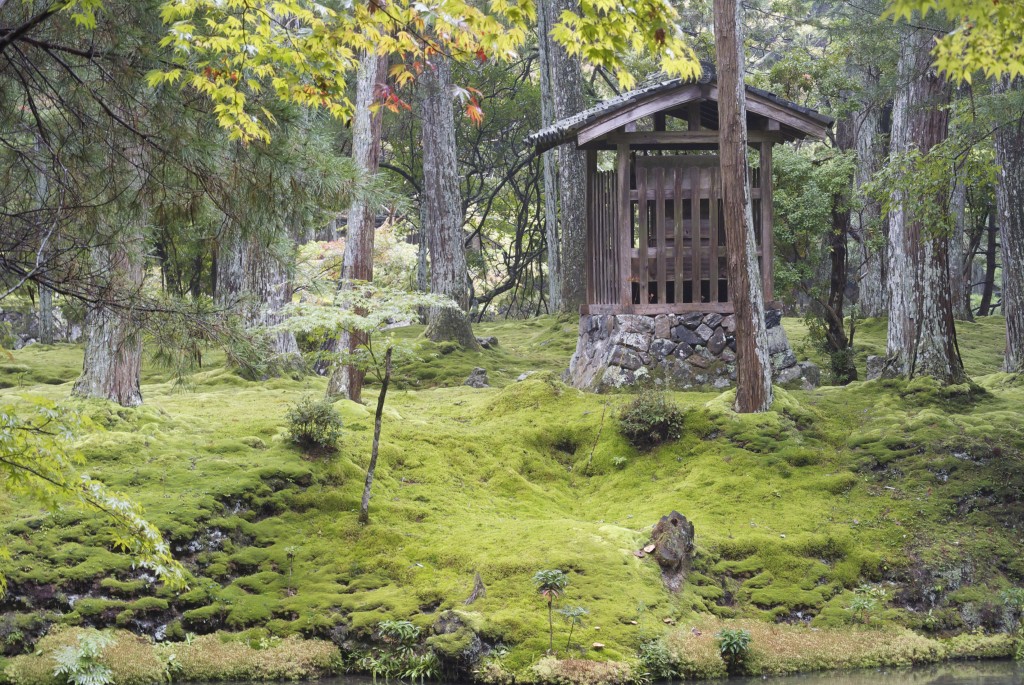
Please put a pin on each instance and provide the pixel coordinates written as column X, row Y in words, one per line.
column 547, row 117
column 922, row 336
column 566, row 86
column 441, row 208
column 1009, row 142
column 357, row 265
column 867, row 222
column 113, row 344
column 252, row 276
column 753, row 367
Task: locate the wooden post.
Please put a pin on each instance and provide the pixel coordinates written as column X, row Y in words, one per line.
column 695, row 232
column 623, row 226
column 659, row 233
column 642, row 230
column 713, row 235
column 677, row 206
column 593, row 247
column 767, row 253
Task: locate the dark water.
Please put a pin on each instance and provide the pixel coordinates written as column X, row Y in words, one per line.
column 957, row 673
column 966, row 673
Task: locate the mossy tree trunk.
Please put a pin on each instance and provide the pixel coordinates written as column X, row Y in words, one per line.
column 753, row 365
column 1009, row 141
column 922, row 336
column 441, row 207
column 347, row 379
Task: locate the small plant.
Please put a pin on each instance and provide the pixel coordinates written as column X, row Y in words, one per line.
column 574, row 616
column 733, row 645
column 619, row 462
column 80, row 664
column 656, row 660
column 314, row 424
column 650, row 420
column 865, row 602
column 551, row 584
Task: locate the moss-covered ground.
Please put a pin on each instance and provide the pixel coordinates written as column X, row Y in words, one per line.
column 910, row 488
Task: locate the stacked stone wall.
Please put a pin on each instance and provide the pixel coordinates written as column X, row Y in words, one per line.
column 676, row 351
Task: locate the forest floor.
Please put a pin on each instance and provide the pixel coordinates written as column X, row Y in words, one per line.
column 908, row 488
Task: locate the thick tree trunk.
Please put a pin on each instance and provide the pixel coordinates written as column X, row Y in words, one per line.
column 547, row 117
column 347, row 379
column 441, row 208
column 1009, row 141
column 873, row 297
column 45, row 294
column 113, row 345
column 255, row 280
column 566, row 81
column 753, row 365
column 922, row 336
column 959, row 264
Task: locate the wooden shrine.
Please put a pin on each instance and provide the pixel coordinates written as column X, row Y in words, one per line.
column 658, row 299
column 655, row 229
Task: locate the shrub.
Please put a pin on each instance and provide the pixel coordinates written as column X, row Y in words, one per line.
column 314, row 424
column 656, row 660
column 650, row 420
column 733, row 644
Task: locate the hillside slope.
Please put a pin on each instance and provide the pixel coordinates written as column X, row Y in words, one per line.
column 908, row 487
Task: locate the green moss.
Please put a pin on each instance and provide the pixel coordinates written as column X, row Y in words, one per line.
column 793, row 508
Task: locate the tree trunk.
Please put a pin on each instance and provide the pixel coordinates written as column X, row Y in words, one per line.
column 566, row 81
column 45, row 331
column 112, row 364
column 357, row 264
column 843, row 368
column 547, row 117
column 872, row 297
column 959, row 263
column 441, row 208
column 753, row 365
column 922, row 337
column 255, row 280
column 364, row 507
column 1009, row 141
column 991, row 264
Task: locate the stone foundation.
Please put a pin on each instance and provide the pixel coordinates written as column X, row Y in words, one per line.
column 674, row 351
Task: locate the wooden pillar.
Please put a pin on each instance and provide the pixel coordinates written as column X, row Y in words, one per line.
column 623, row 226
column 593, row 247
column 767, row 251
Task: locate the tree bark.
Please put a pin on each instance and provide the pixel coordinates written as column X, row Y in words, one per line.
column 872, row 295
column 753, row 365
column 45, row 294
column 1009, row 143
column 566, row 87
column 441, row 208
column 255, row 280
column 547, row 117
column 922, row 337
column 364, row 507
column 357, row 264
column 991, row 264
column 959, row 263
column 112, row 364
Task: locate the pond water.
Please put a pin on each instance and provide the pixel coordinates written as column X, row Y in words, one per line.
column 961, row 673
column 955, row 673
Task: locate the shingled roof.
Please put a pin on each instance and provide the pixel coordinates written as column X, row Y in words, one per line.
column 565, row 131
